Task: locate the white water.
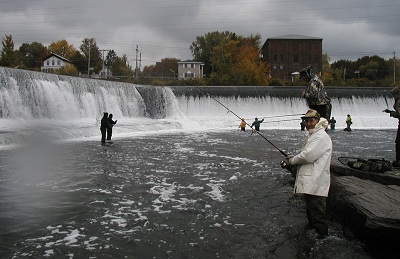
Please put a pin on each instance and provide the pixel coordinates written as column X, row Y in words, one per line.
column 37, row 105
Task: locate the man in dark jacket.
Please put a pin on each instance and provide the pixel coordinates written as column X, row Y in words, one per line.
column 256, row 124
column 396, row 114
column 103, row 128
column 110, row 125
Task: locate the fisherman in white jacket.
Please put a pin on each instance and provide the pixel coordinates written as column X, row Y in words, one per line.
column 313, row 170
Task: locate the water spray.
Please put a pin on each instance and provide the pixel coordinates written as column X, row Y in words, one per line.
column 230, row 111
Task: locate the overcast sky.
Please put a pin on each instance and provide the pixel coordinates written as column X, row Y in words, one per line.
column 166, row 28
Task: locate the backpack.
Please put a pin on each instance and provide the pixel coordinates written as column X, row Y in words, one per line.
column 370, row 165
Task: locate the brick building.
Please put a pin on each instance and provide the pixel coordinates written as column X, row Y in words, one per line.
column 287, row 55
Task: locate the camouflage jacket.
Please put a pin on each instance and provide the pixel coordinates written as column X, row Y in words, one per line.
column 314, row 93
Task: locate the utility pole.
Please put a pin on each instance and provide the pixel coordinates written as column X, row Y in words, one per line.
column 88, row 66
column 136, row 69
column 344, row 74
column 394, row 67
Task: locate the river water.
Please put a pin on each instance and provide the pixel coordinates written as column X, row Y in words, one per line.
column 213, row 194
column 179, row 180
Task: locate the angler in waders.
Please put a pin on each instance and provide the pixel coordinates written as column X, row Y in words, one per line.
column 317, row 98
column 103, row 128
column 396, row 114
column 242, row 125
column 313, row 171
column 256, row 124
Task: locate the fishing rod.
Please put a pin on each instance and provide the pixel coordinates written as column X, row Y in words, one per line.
column 286, row 120
column 272, row 144
column 276, row 116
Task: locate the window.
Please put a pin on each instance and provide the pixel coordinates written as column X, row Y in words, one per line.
column 295, row 58
column 52, row 62
column 316, row 59
column 274, row 67
column 58, row 62
column 189, row 74
column 281, row 67
column 274, row 47
column 295, row 47
column 282, row 57
column 281, row 47
column 48, row 62
column 275, row 57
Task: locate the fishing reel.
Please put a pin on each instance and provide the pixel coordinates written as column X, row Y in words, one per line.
column 285, row 165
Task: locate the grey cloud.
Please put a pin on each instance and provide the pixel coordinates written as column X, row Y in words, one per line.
column 166, row 28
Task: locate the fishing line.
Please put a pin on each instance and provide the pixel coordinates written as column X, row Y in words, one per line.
column 276, row 116
column 286, row 120
column 287, row 115
column 230, row 111
column 280, row 120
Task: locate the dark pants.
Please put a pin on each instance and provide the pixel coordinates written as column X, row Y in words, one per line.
column 242, row 129
column 315, row 208
column 109, row 133
column 103, row 135
column 398, row 144
column 323, row 110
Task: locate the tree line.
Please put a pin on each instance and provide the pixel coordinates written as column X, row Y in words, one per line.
column 229, row 59
column 30, row 56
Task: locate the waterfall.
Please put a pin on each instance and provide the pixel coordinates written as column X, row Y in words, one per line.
column 63, row 107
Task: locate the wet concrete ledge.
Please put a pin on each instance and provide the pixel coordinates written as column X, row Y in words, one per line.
column 277, row 91
column 369, row 204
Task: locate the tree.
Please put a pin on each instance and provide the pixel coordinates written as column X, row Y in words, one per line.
column 222, row 53
column 248, row 69
column 374, row 67
column 121, row 67
column 167, row 67
column 63, row 49
column 68, row 70
column 203, row 48
column 33, row 54
column 79, row 61
column 89, row 49
column 109, row 60
column 9, row 57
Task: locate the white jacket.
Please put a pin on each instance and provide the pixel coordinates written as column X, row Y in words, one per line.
column 314, row 160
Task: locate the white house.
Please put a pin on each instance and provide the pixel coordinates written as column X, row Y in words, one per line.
column 53, row 62
column 190, row 69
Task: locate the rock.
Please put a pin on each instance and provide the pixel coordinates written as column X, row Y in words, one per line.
column 370, row 209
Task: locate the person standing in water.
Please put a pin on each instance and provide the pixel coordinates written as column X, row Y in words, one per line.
column 348, row 123
column 242, row 125
column 396, row 114
column 302, row 125
column 256, row 124
column 110, row 125
column 313, row 171
column 315, row 95
column 333, row 123
column 103, row 128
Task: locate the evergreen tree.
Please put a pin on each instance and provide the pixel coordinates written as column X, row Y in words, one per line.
column 9, row 57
